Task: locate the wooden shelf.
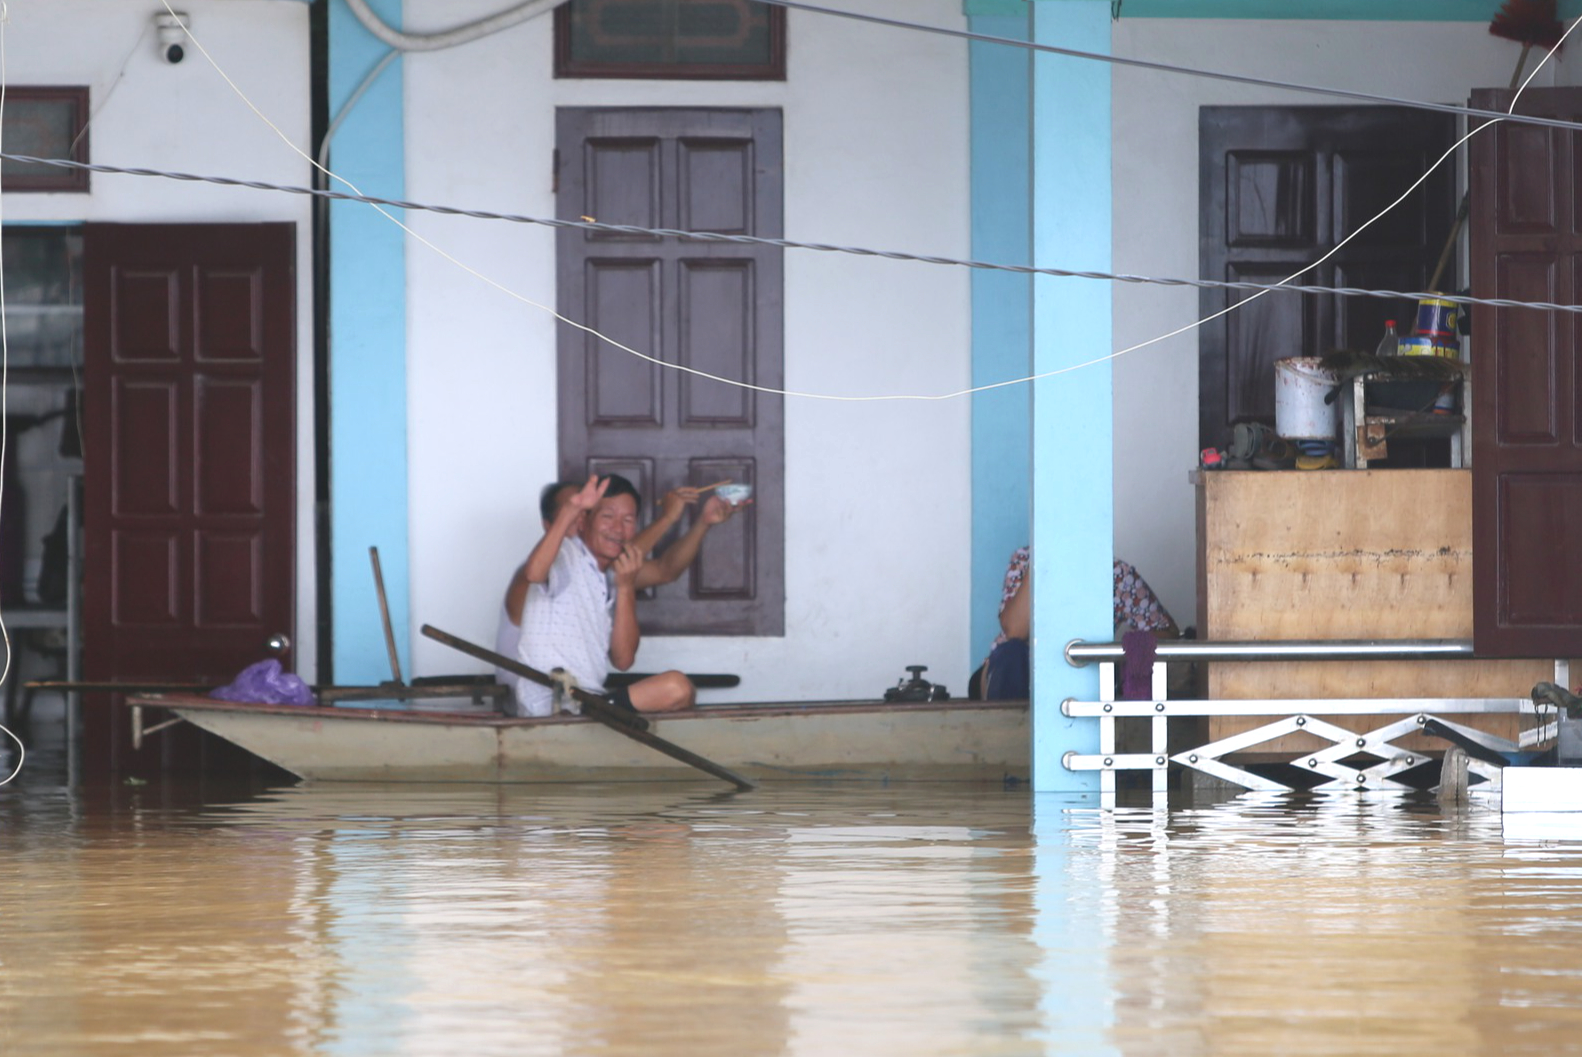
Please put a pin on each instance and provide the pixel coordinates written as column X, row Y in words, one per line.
column 1366, row 429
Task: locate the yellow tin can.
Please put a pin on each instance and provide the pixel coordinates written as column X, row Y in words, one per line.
column 1436, row 319
column 1423, row 346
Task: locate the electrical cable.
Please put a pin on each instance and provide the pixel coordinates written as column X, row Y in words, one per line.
column 109, row 93
column 1188, row 71
column 810, row 395
column 323, row 159
column 400, row 42
column 5, row 390
column 450, row 38
column 862, row 251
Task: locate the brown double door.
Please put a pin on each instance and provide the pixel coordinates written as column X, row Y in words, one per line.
column 189, row 470
column 1526, row 225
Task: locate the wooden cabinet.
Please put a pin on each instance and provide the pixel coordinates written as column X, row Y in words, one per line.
column 1343, row 554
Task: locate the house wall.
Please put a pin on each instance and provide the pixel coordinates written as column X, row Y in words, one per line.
column 1155, row 119
column 147, row 113
column 877, row 494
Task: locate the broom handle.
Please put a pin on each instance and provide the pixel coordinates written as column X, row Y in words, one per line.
column 1461, row 213
column 1450, row 243
column 1521, row 64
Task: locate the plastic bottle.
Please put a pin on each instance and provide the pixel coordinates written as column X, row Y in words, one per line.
column 1390, row 344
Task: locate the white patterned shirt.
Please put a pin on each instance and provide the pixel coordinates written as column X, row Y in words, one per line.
column 566, row 623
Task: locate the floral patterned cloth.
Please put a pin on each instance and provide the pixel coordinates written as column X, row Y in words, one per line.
column 1135, row 602
column 1136, row 605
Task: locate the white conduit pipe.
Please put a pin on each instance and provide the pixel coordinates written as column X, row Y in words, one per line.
column 403, row 42
column 450, row 38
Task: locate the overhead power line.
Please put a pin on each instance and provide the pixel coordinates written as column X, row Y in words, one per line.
column 823, row 247
column 1187, row 71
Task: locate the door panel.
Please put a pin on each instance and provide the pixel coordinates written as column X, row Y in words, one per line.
column 716, row 304
column 725, row 569
column 1538, row 506
column 711, row 307
column 1281, row 186
column 1527, row 429
column 189, row 520
column 1271, row 198
column 623, row 302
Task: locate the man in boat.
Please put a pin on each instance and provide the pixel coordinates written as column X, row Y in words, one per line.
column 665, row 568
column 576, row 594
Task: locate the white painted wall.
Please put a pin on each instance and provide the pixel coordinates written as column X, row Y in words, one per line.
column 149, row 114
column 876, row 493
column 1156, row 209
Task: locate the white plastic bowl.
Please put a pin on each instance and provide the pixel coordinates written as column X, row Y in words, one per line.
column 734, row 494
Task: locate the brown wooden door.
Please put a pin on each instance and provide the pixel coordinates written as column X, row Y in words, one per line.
column 1526, row 231
column 715, row 307
column 189, row 467
column 1279, row 188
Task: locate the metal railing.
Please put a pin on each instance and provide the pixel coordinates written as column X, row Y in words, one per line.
column 1289, row 716
column 1079, row 653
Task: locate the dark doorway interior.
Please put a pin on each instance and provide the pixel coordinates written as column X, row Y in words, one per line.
column 1279, row 188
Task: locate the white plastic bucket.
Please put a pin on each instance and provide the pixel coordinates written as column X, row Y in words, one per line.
column 1300, row 386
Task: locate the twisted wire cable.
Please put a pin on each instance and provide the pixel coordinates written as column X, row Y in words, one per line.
column 822, row 247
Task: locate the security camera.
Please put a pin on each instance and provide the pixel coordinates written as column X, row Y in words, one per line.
column 172, row 37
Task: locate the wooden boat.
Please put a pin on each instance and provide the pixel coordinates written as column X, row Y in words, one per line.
column 953, row 740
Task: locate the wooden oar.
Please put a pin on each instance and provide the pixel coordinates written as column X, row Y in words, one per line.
column 594, row 705
column 384, row 615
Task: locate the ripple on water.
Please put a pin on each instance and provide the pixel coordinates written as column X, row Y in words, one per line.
column 678, row 919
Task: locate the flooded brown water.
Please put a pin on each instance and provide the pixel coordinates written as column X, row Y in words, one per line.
column 669, row 920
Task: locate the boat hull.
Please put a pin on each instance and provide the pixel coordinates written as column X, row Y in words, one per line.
column 925, row 741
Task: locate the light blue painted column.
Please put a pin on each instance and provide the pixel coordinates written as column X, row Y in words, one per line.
column 367, row 355
column 1074, row 863
column 1001, row 307
column 1073, row 501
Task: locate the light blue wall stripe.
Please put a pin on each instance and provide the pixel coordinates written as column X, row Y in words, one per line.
column 1001, row 317
column 367, row 337
column 1338, row 10
column 1073, row 498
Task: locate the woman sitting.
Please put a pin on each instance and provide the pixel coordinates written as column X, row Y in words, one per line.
column 1006, row 674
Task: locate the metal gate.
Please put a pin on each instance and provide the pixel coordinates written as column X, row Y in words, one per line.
column 1398, row 717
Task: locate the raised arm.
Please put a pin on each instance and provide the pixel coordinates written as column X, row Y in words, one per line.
column 536, row 569
column 624, row 634
column 671, row 507
column 668, row 567
column 516, row 593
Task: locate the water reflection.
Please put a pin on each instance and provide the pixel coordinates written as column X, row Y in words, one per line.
column 1311, row 924
column 679, row 920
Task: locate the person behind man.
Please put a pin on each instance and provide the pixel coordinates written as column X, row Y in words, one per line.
column 1007, row 673
column 579, row 606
